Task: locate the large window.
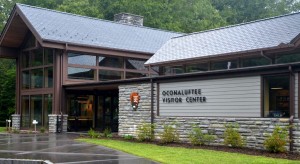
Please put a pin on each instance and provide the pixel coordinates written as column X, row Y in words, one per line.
column 256, row 61
column 37, row 69
column 105, row 67
column 36, row 107
column 276, row 96
column 227, row 64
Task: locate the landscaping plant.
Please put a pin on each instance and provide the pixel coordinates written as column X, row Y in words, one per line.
column 169, row 135
column 107, row 133
column 196, row 137
column 93, row 134
column 145, row 132
column 232, row 137
column 276, row 142
column 42, row 130
column 128, row 137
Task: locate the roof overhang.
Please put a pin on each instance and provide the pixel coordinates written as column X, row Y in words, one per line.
column 6, row 52
column 268, row 50
column 14, row 31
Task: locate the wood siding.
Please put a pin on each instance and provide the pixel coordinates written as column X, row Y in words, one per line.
column 232, row 97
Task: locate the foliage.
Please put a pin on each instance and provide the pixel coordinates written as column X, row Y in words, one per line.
column 169, row 135
column 232, row 137
column 93, row 134
column 107, row 133
column 128, row 137
column 43, row 130
column 196, row 137
column 2, row 129
column 276, row 142
column 145, row 132
column 179, row 155
column 7, row 89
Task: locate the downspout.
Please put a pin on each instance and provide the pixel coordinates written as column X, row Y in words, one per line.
column 152, row 100
column 291, row 120
column 263, row 55
column 152, row 112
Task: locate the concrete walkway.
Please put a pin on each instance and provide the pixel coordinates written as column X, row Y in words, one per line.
column 61, row 148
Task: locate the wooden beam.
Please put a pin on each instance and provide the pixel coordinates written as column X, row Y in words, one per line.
column 6, row 52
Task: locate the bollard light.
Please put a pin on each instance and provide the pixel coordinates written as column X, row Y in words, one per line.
column 9, row 121
column 34, row 122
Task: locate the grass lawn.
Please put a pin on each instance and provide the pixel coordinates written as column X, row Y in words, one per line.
column 2, row 129
column 164, row 154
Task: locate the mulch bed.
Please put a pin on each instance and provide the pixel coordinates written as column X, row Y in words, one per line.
column 248, row 151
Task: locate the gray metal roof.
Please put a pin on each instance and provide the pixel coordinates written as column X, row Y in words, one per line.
column 69, row 28
column 262, row 34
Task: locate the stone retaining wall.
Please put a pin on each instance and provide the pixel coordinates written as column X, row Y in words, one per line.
column 253, row 130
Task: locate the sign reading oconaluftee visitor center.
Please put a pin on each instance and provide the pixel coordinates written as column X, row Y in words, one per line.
column 183, row 95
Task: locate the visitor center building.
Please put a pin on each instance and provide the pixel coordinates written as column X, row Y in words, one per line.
column 93, row 73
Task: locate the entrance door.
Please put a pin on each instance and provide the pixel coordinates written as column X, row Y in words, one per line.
column 107, row 113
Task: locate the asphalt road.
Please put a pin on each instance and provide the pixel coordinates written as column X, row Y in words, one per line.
column 61, row 148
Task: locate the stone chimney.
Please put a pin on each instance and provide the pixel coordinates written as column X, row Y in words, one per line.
column 128, row 18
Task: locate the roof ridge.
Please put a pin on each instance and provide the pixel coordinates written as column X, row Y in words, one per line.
column 104, row 20
column 239, row 24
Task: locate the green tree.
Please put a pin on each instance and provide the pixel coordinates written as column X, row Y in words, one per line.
column 5, row 9
column 82, row 7
column 239, row 11
column 7, row 89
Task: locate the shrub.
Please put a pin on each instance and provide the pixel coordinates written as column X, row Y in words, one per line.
column 145, row 132
column 276, row 142
column 232, row 137
column 169, row 135
column 196, row 137
column 42, row 130
column 93, row 134
column 107, row 133
column 128, row 137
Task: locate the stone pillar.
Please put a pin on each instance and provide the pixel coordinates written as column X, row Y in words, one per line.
column 16, row 121
column 53, row 123
column 296, row 135
column 65, row 123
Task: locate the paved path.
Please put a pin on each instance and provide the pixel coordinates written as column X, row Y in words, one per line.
column 61, row 148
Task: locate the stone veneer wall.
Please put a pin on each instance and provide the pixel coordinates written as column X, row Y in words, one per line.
column 53, row 122
column 253, row 130
column 16, row 121
column 128, row 118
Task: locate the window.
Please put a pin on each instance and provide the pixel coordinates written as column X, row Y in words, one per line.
column 172, row 70
column 130, row 75
column 135, row 64
column 81, row 59
column 37, row 68
column 250, row 62
column 36, row 57
column 113, row 62
column 228, row 64
column 25, row 119
column 81, row 73
column 36, row 107
column 287, row 58
column 199, row 67
column 48, row 77
column 36, row 78
column 276, row 96
column 110, row 75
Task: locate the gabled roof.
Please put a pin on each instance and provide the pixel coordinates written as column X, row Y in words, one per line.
column 263, row 34
column 54, row 26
